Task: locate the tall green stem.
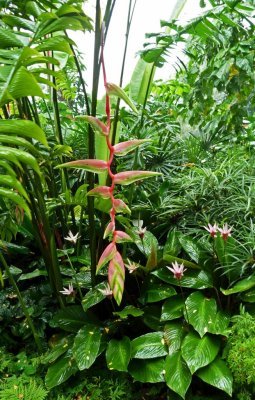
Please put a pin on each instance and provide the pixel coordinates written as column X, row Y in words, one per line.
column 22, row 303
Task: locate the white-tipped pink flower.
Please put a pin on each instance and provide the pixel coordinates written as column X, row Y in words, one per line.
column 178, row 270
column 72, row 238
column 212, row 229
column 140, row 230
column 107, row 291
column 225, row 232
column 68, row 291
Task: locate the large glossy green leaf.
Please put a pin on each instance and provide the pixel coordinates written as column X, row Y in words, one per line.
column 155, row 291
column 71, row 318
column 201, row 312
column 191, row 279
column 178, row 376
column 191, row 247
column 217, row 374
column 61, row 370
column 94, row 296
column 174, row 332
column 150, row 345
column 147, row 371
column 151, row 317
column 86, row 345
column 172, row 308
column 61, row 346
column 241, row 286
column 172, row 245
column 118, row 354
column 23, row 128
column 142, row 76
column 199, row 352
column 220, row 324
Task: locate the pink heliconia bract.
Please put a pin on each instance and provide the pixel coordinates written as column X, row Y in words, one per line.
column 120, row 206
column 100, row 191
column 121, row 237
column 109, row 229
column 107, row 255
column 123, row 148
column 116, row 276
column 97, row 124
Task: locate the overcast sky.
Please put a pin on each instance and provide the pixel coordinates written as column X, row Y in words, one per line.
column 147, row 16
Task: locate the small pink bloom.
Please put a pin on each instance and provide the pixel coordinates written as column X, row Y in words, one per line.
column 212, row 229
column 139, row 224
column 68, row 291
column 72, row 238
column 225, row 232
column 107, row 292
column 177, row 270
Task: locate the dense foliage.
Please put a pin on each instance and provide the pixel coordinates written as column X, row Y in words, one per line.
column 112, row 285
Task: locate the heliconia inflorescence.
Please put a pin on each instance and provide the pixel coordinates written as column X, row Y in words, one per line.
column 111, row 255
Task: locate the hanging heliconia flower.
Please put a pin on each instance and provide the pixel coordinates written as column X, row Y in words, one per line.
column 111, row 255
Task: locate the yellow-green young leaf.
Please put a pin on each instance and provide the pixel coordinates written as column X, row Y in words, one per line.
column 59, row 24
column 22, row 157
column 23, row 128
column 116, row 277
column 96, row 166
column 58, row 43
column 15, row 198
column 128, row 177
column 178, row 376
column 12, row 182
column 17, row 141
column 123, row 148
column 115, row 90
column 96, row 124
column 24, row 84
column 118, row 354
column 9, row 39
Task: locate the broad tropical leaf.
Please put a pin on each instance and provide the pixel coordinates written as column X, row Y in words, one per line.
column 178, row 376
column 217, row 374
column 150, row 345
column 86, row 346
column 201, row 312
column 199, row 352
column 118, row 354
column 147, row 371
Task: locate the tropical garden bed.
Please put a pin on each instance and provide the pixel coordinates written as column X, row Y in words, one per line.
column 127, row 221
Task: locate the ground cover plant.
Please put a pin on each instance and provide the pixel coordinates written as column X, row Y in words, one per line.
column 114, row 285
